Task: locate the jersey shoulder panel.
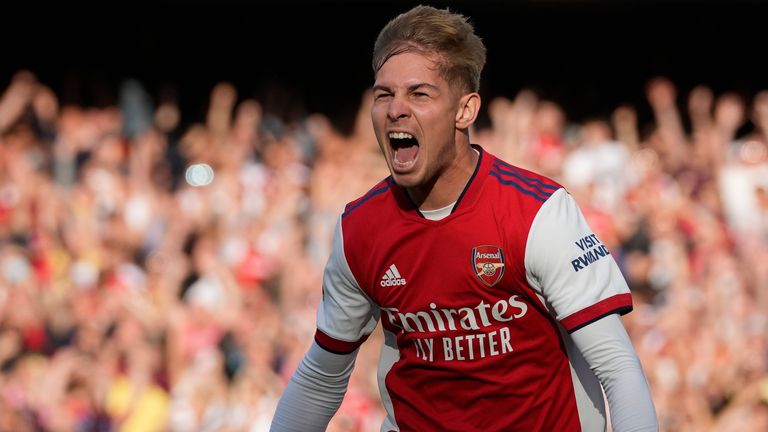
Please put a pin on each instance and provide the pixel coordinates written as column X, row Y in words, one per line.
column 526, row 184
column 516, row 195
column 519, row 195
column 369, row 201
column 345, row 316
column 363, row 223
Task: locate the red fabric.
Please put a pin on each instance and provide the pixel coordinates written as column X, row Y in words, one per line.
column 253, row 269
column 455, row 369
column 617, row 303
column 34, row 338
column 335, row 345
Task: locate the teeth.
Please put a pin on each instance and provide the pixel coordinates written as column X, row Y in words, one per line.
column 400, row 135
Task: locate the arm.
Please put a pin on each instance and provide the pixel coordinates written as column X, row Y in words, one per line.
column 661, row 94
column 567, row 264
column 314, row 392
column 345, row 318
column 607, row 349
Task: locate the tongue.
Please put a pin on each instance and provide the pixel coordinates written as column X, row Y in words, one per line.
column 406, row 154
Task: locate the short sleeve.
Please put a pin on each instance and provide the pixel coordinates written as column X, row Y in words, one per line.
column 568, row 265
column 346, row 316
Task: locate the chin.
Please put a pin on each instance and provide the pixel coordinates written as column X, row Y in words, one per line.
column 406, row 180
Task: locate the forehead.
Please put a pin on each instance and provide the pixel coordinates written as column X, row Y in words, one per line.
column 408, row 68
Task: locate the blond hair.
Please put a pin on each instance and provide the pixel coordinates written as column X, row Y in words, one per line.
column 427, row 30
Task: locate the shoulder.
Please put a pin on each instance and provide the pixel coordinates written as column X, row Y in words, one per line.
column 370, row 201
column 522, row 183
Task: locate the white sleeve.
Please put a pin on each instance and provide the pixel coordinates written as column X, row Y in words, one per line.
column 607, row 349
column 568, row 265
column 315, row 391
column 346, row 316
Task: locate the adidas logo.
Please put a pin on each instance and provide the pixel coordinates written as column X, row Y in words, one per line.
column 392, row 277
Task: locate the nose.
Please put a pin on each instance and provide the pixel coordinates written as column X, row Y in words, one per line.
column 397, row 109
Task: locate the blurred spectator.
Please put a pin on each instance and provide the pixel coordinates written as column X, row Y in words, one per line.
column 136, row 294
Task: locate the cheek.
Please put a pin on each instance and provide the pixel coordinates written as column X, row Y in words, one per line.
column 438, row 119
column 442, row 128
column 378, row 118
column 378, row 127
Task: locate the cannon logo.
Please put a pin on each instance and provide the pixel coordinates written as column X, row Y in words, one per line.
column 488, row 264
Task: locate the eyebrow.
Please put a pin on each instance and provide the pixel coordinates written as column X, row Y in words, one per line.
column 411, row 88
column 420, row 85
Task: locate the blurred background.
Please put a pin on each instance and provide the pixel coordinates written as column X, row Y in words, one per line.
column 171, row 173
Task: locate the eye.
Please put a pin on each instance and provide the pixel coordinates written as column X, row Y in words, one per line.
column 381, row 95
column 420, row 96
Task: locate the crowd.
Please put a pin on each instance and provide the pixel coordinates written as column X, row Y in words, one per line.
column 137, row 294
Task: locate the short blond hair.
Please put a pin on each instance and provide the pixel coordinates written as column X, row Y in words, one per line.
column 425, row 29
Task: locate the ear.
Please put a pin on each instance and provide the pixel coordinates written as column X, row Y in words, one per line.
column 469, row 107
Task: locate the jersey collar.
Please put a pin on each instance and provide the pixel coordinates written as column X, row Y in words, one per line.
column 467, row 197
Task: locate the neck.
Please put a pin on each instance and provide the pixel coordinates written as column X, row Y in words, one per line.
column 446, row 186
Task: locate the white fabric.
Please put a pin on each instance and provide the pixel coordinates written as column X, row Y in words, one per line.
column 315, row 391
column 389, row 355
column 317, row 387
column 438, row 214
column 738, row 184
column 586, row 388
column 559, row 235
column 607, row 349
column 345, row 312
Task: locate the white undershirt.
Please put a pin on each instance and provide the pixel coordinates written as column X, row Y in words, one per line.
column 438, row 214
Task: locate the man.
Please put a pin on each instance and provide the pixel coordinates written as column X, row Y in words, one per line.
column 498, row 304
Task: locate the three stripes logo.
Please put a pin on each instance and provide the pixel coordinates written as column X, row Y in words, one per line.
column 392, row 277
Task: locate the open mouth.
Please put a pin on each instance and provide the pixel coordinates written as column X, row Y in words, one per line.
column 405, row 150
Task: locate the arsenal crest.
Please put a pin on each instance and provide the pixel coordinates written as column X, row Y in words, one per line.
column 488, row 263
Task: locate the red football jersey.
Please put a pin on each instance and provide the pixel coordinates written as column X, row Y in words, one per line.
column 475, row 307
